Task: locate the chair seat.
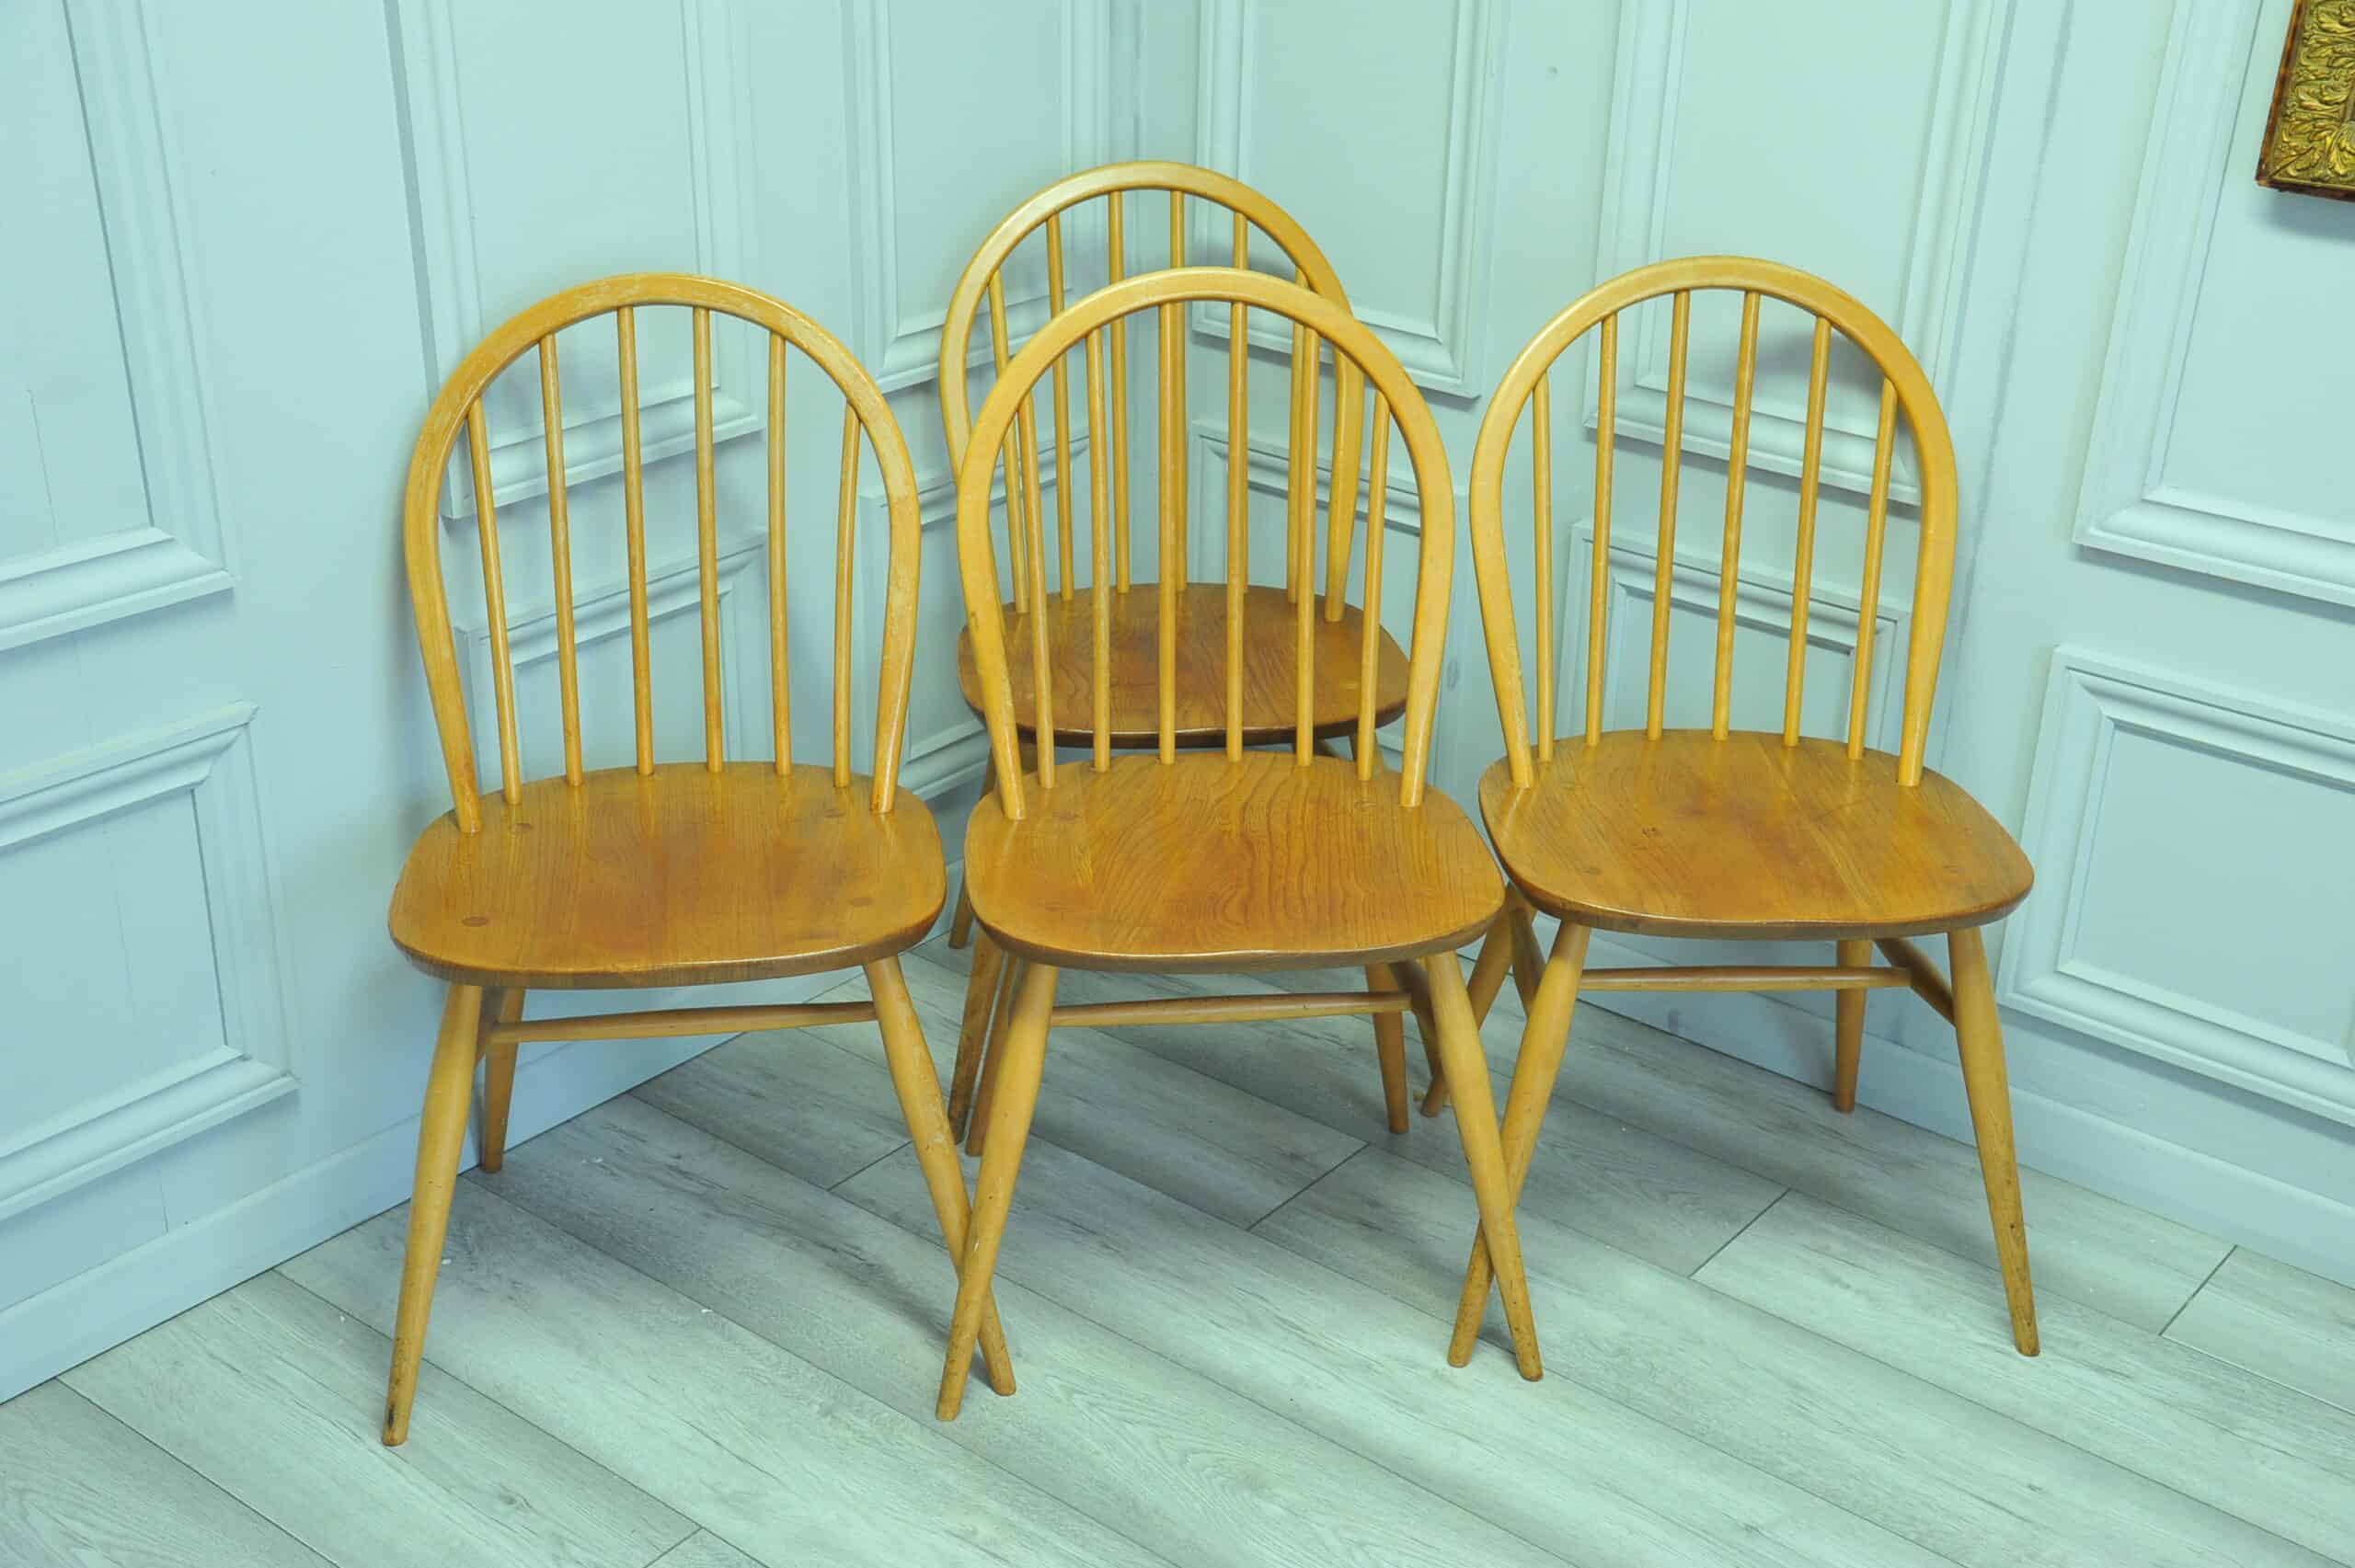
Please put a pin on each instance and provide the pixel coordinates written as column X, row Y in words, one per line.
column 1270, row 704
column 1208, row 863
column 675, row 877
column 1691, row 835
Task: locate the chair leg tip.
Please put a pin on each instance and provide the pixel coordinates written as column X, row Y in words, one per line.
column 493, row 1160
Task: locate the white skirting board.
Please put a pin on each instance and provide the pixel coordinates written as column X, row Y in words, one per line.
column 2309, row 1229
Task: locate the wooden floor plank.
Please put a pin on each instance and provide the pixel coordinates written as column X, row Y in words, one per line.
column 786, row 1092
column 2129, row 1263
column 236, row 1387
column 1172, row 1459
column 1969, row 1483
column 2241, row 1443
column 702, row 1549
column 1552, row 1462
column 2292, row 1326
column 787, row 1462
column 1633, row 1188
column 78, row 1489
column 1226, row 1152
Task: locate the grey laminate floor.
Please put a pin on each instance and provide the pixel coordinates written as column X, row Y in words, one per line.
column 699, row 1326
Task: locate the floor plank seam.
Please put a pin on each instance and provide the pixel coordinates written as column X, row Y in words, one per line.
column 889, row 1153
column 203, row 1480
column 1961, row 1392
column 2186, row 1305
column 1306, row 1187
column 942, row 1429
column 1721, row 1246
column 693, row 1525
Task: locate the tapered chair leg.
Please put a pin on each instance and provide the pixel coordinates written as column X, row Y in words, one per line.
column 441, row 1138
column 1488, row 969
column 960, row 924
column 980, row 1003
column 1010, row 982
column 918, row 1086
column 1528, row 959
column 1849, row 1048
column 504, row 1006
column 1980, row 1038
column 1501, row 954
column 1015, row 1062
column 1390, row 1046
column 1534, row 1070
column 1476, row 1125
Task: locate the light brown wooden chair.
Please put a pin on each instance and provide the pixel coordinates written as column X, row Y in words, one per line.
column 1178, row 860
column 660, row 874
column 1727, row 833
column 1094, row 203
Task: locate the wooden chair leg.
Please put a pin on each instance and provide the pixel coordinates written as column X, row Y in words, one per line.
column 504, row 1006
column 1850, row 1029
column 1009, row 982
column 918, row 1086
column 1528, row 959
column 960, row 924
column 1488, row 969
column 441, row 1138
column 980, row 1000
column 1981, row 1039
column 1390, row 1045
column 1015, row 1062
column 1476, row 1125
column 1534, row 1070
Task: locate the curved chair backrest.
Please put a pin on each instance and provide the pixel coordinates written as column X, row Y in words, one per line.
column 1903, row 386
column 983, row 278
column 460, row 403
column 1320, row 321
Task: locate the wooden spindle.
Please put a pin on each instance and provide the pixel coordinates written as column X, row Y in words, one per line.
column 1868, row 605
column 780, row 675
column 494, row 593
column 845, row 552
column 1116, row 268
column 1803, row 551
column 1541, row 484
column 641, row 664
column 1177, row 518
column 1598, row 608
column 1238, row 531
column 1341, row 499
column 1370, row 637
column 1099, row 576
column 1173, row 376
column 1017, row 462
column 567, row 651
column 1041, row 673
column 1671, row 458
column 1305, row 605
column 1745, row 376
column 1062, row 411
column 1300, row 470
column 707, row 546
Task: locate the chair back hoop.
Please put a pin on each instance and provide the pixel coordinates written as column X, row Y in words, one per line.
column 458, row 406
column 1904, row 387
column 1395, row 399
column 979, row 287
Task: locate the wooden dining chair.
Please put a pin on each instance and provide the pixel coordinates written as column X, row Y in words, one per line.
column 1094, row 204
column 664, row 874
column 1180, row 860
column 1730, row 833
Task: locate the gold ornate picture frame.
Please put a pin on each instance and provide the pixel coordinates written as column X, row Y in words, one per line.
column 2309, row 142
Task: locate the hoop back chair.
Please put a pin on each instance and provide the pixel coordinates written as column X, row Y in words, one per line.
column 1269, row 699
column 1728, row 833
column 657, row 874
column 1180, row 860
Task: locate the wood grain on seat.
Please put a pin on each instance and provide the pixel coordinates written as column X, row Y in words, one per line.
column 1687, row 835
column 679, row 877
column 1270, row 627
column 1207, row 864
